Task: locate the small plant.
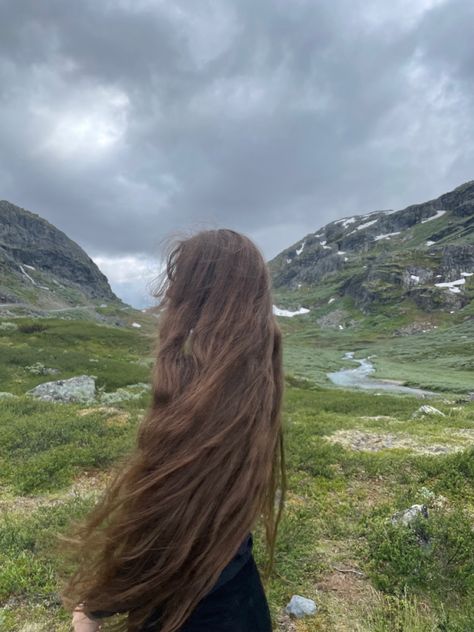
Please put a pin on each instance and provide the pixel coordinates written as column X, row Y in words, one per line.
column 31, row 328
column 430, row 556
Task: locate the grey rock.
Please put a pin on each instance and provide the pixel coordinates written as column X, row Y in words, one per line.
column 134, row 391
column 75, row 389
column 427, row 410
column 407, row 516
column 38, row 368
column 300, row 607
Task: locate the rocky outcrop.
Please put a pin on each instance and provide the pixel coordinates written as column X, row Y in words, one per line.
column 75, row 389
column 423, row 254
column 37, row 256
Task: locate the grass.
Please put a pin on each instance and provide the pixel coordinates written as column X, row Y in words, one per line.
column 335, row 539
column 336, row 543
column 115, row 355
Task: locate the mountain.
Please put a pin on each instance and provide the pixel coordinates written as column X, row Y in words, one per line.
column 419, row 259
column 41, row 266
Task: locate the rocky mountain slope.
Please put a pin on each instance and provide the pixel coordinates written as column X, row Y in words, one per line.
column 420, row 258
column 41, row 266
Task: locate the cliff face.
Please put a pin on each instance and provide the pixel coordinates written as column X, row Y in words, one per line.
column 423, row 254
column 40, row 264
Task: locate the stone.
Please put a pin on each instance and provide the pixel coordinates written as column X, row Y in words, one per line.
column 75, row 389
column 38, row 368
column 427, row 410
column 134, row 391
column 300, row 607
column 407, row 516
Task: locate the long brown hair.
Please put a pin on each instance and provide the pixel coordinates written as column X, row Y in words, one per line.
column 208, row 465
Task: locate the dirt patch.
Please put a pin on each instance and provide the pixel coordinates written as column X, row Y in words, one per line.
column 87, row 484
column 347, row 584
column 285, row 623
column 380, row 417
column 341, row 593
column 115, row 416
column 109, row 410
column 375, row 442
column 464, row 433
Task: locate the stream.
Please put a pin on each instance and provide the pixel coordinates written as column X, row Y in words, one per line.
column 360, row 377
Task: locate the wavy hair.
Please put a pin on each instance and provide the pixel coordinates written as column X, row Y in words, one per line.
column 208, row 465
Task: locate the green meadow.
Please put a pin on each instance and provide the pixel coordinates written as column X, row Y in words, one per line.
column 354, row 459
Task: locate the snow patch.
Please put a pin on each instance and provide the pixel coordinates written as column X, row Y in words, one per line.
column 331, row 300
column 367, row 224
column 430, row 243
column 300, row 249
column 452, row 286
column 27, row 275
column 467, row 274
column 346, row 222
column 436, row 216
column 29, row 267
column 288, row 260
column 341, row 252
column 137, row 325
column 415, row 278
column 286, row 312
column 387, row 236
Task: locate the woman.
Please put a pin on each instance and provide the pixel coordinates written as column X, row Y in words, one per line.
column 170, row 543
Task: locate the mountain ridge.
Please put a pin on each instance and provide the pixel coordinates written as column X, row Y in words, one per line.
column 421, row 255
column 42, row 266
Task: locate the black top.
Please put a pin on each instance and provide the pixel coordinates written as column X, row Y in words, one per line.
column 242, row 555
column 233, row 567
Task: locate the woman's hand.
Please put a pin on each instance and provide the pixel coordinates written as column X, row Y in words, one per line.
column 82, row 623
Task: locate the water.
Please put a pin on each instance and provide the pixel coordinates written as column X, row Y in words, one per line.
column 360, row 377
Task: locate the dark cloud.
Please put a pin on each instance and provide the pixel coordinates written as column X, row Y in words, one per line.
column 123, row 120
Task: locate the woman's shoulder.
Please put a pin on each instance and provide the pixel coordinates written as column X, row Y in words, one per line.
column 240, row 558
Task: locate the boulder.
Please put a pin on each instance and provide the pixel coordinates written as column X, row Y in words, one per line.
column 300, row 607
column 407, row 516
column 75, row 389
column 427, row 410
column 134, row 391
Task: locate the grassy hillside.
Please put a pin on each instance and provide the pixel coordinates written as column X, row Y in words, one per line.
column 354, row 459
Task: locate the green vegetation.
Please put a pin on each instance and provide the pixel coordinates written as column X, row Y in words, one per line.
column 354, row 460
column 114, row 354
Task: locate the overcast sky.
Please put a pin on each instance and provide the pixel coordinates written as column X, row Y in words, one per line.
column 124, row 120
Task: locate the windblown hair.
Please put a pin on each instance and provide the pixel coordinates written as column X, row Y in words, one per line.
column 208, row 466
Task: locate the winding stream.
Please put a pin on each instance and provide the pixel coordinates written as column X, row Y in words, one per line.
column 360, row 377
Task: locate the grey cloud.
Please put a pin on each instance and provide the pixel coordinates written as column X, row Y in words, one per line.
column 270, row 117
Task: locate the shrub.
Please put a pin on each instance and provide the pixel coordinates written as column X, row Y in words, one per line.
column 31, row 328
column 432, row 556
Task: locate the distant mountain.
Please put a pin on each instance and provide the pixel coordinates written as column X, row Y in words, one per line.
column 419, row 258
column 41, row 266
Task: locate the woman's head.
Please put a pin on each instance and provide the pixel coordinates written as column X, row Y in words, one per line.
column 209, row 453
